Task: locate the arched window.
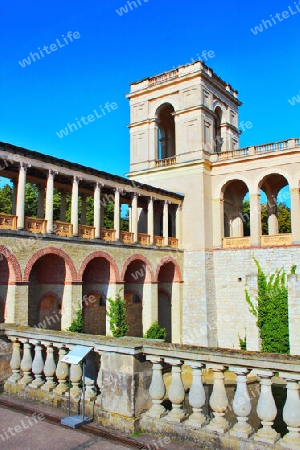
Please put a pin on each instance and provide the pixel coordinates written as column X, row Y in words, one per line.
column 166, row 132
column 217, row 130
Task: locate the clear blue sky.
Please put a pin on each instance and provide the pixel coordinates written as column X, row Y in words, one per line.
column 113, row 50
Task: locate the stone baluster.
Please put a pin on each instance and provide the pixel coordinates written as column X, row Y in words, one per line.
column 196, row 396
column 26, row 363
column 291, row 413
column 90, row 377
column 218, row 401
column 75, row 378
column 37, row 366
column 176, row 392
column 49, row 369
column 157, row 388
column 266, row 410
column 61, row 372
column 15, row 362
column 241, row 404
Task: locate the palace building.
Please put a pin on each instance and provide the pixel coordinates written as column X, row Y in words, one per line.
column 188, row 254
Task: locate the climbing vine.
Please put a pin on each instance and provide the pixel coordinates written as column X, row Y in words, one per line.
column 272, row 310
column 117, row 316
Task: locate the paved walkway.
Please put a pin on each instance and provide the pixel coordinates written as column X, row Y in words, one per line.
column 29, row 426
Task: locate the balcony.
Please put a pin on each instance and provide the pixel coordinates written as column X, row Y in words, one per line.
column 165, row 162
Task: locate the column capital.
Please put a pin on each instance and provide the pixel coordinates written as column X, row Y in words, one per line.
column 51, row 173
column 151, row 199
column 24, row 166
column 98, row 185
column 118, row 189
column 166, row 202
column 76, row 179
column 135, row 195
column 179, row 207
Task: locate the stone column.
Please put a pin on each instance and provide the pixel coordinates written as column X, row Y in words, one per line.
column 272, row 219
column 196, row 396
column 20, row 209
column 14, row 199
column 266, row 410
column 97, row 210
column 295, row 215
column 117, row 213
column 176, row 392
column 291, row 412
column 218, row 222
column 157, row 388
column 150, row 219
column 241, row 404
column 41, row 201
column 178, row 224
column 134, row 217
column 49, row 200
column 63, row 205
column 176, row 312
column 166, row 222
column 255, row 219
column 150, row 305
column 218, row 401
column 83, row 210
column 74, row 205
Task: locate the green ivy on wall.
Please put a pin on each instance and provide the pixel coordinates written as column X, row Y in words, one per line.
column 272, row 310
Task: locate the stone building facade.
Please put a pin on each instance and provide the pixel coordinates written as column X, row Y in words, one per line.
column 187, row 255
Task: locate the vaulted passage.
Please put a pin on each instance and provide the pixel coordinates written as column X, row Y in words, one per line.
column 165, row 288
column 95, row 285
column 46, row 288
column 134, row 288
column 4, row 278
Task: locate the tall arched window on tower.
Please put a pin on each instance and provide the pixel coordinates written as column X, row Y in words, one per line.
column 217, row 130
column 166, row 131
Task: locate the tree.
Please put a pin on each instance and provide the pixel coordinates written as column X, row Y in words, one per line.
column 77, row 325
column 6, row 197
column 283, row 214
column 117, row 315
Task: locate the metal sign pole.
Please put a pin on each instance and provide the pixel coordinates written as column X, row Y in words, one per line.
column 69, row 371
column 83, row 387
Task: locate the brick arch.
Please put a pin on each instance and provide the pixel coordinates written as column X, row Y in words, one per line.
column 149, row 272
column 15, row 273
column 177, row 274
column 71, row 275
column 114, row 275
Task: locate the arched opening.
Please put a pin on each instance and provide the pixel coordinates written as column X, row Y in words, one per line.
column 275, row 205
column 134, row 280
column 217, row 130
column 166, row 131
column 95, row 284
column 4, row 279
column 46, row 288
column 166, row 277
column 236, row 209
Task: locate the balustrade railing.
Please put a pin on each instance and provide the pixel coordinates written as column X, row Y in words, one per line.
column 144, row 239
column 127, row 237
column 35, row 225
column 159, row 241
column 86, row 231
column 63, row 229
column 36, row 364
column 165, row 162
column 108, row 235
column 173, row 242
column 276, row 240
column 236, row 242
column 8, row 222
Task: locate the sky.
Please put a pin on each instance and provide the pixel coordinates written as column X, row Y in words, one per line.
column 109, row 48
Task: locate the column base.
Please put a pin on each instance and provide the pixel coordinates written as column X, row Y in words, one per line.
column 269, row 436
column 175, row 416
column 218, row 425
column 156, row 411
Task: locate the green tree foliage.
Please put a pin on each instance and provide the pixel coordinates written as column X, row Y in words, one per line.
column 6, row 196
column 117, row 315
column 272, row 310
column 155, row 332
column 77, row 325
column 283, row 213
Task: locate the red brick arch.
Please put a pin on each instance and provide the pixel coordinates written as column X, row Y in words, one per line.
column 177, row 274
column 114, row 274
column 149, row 272
column 71, row 275
column 15, row 273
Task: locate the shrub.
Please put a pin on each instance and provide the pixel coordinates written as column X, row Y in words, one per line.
column 77, row 325
column 155, row 332
column 117, row 315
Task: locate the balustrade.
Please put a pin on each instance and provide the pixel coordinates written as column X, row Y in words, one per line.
column 127, row 237
column 144, row 239
column 173, row 242
column 86, row 232
column 189, row 409
column 159, row 241
column 108, row 235
column 8, row 222
column 35, row 225
column 63, row 229
column 276, row 240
